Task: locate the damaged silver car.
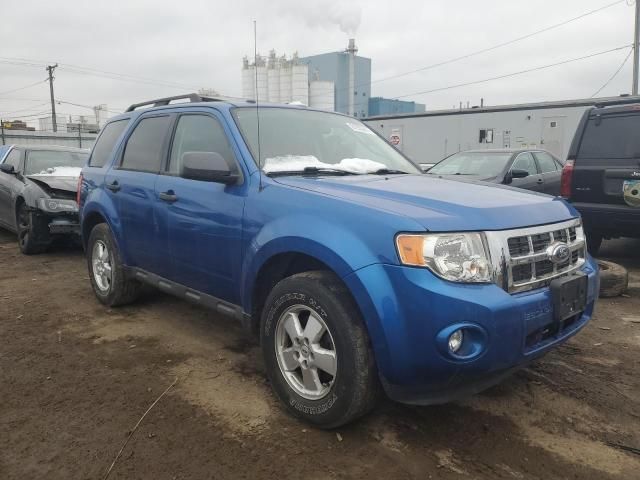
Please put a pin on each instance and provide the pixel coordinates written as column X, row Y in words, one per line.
column 38, row 188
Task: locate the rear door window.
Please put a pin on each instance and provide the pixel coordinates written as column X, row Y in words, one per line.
column 611, row 137
column 145, row 146
column 546, row 162
column 105, row 143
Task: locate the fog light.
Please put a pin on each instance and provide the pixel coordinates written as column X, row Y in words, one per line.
column 455, row 341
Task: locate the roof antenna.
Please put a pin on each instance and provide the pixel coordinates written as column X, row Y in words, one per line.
column 255, row 69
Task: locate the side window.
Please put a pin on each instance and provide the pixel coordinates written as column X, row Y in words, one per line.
column 143, row 151
column 546, row 162
column 105, row 143
column 14, row 158
column 198, row 133
column 525, row 161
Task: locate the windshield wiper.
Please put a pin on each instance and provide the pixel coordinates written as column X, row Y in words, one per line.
column 388, row 171
column 313, row 171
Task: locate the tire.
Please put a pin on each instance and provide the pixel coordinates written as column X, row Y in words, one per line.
column 109, row 280
column 321, row 298
column 594, row 242
column 33, row 234
column 614, row 279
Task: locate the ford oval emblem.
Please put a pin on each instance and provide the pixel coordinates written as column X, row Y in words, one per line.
column 558, row 252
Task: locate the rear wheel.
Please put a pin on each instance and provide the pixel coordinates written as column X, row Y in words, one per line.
column 32, row 238
column 110, row 282
column 317, row 351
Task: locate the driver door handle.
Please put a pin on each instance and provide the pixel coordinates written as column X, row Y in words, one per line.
column 113, row 186
column 540, row 180
column 168, row 196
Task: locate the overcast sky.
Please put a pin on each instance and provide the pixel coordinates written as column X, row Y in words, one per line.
column 184, row 45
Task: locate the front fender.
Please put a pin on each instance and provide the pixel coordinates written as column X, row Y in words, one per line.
column 340, row 249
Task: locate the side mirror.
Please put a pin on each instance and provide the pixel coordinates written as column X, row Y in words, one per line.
column 518, row 173
column 207, row 167
column 6, row 168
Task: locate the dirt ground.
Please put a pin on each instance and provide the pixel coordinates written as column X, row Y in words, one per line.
column 75, row 377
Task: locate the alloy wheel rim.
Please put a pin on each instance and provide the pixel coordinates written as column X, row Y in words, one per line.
column 101, row 263
column 306, row 352
column 24, row 227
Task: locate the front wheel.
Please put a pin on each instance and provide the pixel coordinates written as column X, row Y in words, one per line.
column 317, row 351
column 108, row 277
column 32, row 237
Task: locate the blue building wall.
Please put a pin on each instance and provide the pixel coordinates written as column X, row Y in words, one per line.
column 389, row 106
column 334, row 67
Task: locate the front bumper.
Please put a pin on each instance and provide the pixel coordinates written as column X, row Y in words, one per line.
column 405, row 308
column 68, row 225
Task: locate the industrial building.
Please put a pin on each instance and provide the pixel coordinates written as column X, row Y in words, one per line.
column 389, row 106
column 285, row 80
column 431, row 136
column 335, row 81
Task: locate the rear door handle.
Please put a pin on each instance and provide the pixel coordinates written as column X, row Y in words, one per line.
column 168, row 196
column 114, row 186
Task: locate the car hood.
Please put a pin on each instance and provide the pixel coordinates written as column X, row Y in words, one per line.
column 64, row 178
column 440, row 204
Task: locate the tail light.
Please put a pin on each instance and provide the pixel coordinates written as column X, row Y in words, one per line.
column 79, row 190
column 566, row 179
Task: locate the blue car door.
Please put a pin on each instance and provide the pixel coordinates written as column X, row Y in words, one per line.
column 131, row 183
column 203, row 219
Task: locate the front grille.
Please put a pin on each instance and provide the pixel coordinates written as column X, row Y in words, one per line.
column 530, row 264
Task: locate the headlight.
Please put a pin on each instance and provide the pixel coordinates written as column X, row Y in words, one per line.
column 53, row 205
column 458, row 257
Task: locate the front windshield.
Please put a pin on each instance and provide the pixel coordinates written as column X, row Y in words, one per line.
column 488, row 164
column 294, row 139
column 42, row 162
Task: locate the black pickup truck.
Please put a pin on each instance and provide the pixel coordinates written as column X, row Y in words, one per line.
column 602, row 174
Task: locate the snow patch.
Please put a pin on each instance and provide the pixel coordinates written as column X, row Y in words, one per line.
column 298, row 163
column 59, row 172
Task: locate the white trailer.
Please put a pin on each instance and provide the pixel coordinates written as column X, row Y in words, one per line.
column 429, row 137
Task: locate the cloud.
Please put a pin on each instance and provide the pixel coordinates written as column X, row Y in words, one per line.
column 347, row 16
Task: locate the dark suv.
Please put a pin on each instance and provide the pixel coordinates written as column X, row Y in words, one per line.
column 602, row 174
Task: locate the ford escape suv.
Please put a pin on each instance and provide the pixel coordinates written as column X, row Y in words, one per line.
column 357, row 272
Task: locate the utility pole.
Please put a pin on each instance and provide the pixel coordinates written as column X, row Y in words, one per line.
column 636, row 51
column 2, row 129
column 50, row 69
column 80, row 134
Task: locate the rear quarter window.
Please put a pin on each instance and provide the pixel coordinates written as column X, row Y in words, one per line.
column 611, row 137
column 105, row 143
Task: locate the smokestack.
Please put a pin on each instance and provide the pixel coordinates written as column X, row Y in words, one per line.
column 351, row 51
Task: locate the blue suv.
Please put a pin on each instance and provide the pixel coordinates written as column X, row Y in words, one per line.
column 358, row 273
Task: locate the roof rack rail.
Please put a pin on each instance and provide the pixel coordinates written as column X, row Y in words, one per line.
column 193, row 97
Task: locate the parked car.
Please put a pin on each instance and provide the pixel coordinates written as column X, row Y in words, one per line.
column 536, row 170
column 38, row 186
column 602, row 174
column 353, row 267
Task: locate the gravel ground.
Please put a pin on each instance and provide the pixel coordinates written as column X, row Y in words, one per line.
column 75, row 377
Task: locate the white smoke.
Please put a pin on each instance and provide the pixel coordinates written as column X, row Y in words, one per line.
column 326, row 13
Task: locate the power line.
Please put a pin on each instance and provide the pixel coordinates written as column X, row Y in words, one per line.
column 615, row 74
column 25, row 109
column 24, row 88
column 513, row 74
column 500, row 45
